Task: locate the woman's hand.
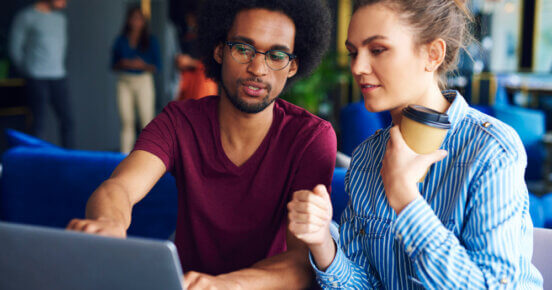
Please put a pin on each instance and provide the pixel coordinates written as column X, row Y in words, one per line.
column 310, row 215
column 402, row 168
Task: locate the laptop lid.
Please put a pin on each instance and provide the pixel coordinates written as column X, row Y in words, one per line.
column 34, row 257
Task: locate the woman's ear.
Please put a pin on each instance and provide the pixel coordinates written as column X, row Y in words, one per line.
column 436, row 52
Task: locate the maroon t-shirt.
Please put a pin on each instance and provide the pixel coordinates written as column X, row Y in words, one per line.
column 230, row 217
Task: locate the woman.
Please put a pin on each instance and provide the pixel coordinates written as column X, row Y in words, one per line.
column 467, row 225
column 135, row 58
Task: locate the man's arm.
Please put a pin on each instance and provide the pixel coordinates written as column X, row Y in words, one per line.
column 288, row 270
column 108, row 211
column 18, row 35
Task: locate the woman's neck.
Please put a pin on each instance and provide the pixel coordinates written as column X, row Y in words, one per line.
column 432, row 98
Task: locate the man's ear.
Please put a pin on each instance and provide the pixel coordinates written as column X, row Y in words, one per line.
column 218, row 52
column 293, row 67
column 436, row 52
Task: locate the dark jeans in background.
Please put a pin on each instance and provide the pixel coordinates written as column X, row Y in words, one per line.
column 55, row 91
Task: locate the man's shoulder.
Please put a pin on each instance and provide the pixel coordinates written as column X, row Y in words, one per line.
column 301, row 127
column 191, row 108
column 297, row 116
column 26, row 13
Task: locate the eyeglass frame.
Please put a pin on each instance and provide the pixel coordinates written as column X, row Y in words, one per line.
column 290, row 55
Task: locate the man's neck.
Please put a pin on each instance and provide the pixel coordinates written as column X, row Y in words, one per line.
column 241, row 128
column 242, row 134
column 43, row 7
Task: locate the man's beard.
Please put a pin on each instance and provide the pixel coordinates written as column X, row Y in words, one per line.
column 244, row 106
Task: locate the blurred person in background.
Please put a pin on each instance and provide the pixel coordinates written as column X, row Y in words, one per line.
column 135, row 57
column 193, row 82
column 37, row 47
column 170, row 66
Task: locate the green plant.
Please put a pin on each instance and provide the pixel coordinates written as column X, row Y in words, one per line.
column 311, row 92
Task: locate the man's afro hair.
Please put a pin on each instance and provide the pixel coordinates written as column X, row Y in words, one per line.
column 312, row 24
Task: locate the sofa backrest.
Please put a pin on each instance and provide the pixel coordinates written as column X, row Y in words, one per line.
column 49, row 187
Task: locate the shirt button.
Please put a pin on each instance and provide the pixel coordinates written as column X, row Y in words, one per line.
column 362, row 232
column 331, row 279
column 399, row 236
column 409, row 249
column 504, row 280
column 486, row 124
column 334, row 284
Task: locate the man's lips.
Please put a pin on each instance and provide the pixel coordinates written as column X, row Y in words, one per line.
column 254, row 85
column 254, row 89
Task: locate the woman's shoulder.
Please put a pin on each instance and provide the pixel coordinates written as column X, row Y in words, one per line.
column 489, row 137
column 370, row 152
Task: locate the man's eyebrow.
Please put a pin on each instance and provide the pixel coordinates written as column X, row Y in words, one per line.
column 252, row 42
column 243, row 39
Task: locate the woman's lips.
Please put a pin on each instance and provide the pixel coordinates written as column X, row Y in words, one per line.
column 368, row 88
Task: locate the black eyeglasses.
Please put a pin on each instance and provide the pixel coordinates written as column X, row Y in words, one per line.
column 244, row 53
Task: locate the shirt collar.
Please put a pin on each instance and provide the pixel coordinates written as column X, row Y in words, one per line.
column 457, row 110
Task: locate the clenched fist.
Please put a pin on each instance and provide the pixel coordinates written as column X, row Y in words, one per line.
column 310, row 215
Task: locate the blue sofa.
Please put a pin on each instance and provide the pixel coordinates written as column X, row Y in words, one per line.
column 42, row 184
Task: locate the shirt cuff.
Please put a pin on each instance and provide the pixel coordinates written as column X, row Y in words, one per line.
column 416, row 226
column 337, row 274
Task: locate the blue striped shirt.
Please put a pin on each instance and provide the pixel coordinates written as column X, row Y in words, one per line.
column 469, row 229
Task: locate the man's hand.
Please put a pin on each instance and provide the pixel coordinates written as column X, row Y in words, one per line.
column 310, row 215
column 103, row 227
column 194, row 280
column 402, row 168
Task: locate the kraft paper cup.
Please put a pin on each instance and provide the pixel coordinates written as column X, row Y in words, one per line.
column 423, row 129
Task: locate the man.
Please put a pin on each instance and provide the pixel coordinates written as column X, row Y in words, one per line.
column 37, row 47
column 237, row 157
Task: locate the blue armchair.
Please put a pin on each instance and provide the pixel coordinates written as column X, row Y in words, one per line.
column 357, row 124
column 339, row 197
column 530, row 124
column 47, row 185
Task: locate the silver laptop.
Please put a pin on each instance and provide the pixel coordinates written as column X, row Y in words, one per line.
column 34, row 257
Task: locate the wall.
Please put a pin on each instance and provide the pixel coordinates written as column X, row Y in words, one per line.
column 92, row 27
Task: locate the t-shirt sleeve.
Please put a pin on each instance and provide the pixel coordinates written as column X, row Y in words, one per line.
column 318, row 161
column 159, row 139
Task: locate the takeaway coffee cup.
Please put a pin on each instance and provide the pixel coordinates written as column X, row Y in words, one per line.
column 423, row 129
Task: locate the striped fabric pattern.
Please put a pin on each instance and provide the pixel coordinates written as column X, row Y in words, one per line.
column 469, row 229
